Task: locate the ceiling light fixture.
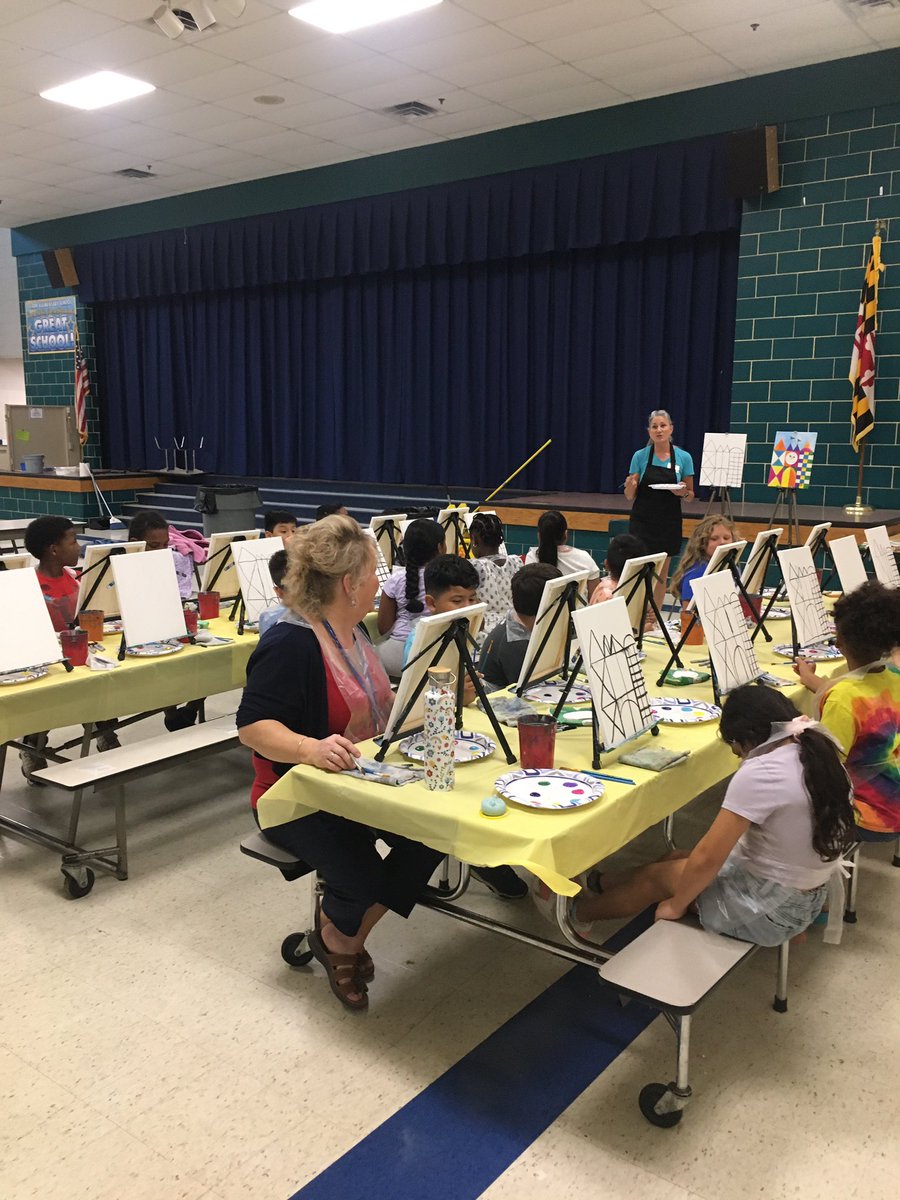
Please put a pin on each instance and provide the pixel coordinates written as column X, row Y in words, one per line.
column 343, row 16
column 98, row 90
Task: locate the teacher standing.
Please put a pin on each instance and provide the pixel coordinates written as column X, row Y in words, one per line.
column 655, row 510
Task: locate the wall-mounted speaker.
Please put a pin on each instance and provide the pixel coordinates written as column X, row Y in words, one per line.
column 751, row 165
column 60, row 268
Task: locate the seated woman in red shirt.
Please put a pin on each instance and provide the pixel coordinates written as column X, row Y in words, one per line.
column 315, row 687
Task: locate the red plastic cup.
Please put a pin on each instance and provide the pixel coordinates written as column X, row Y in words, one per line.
column 74, row 644
column 190, row 620
column 751, row 609
column 537, row 740
column 209, row 605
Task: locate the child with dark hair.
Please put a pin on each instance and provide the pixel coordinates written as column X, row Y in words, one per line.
column 862, row 708
column 554, row 550
column 403, row 594
column 52, row 541
column 450, row 582
column 277, row 522
column 495, row 569
column 278, row 564
column 153, row 528
column 762, row 871
column 331, row 510
column 621, row 548
column 504, row 648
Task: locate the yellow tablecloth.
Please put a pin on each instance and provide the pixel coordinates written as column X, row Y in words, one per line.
column 136, row 685
column 556, row 846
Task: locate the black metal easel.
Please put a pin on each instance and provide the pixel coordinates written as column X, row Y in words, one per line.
column 644, row 579
column 564, row 606
column 102, row 569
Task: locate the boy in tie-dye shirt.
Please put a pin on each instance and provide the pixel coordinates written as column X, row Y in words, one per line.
column 862, row 708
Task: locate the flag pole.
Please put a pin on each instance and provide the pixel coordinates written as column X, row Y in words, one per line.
column 870, row 301
column 857, row 508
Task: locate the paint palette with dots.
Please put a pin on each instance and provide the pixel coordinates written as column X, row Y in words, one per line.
column 550, row 790
column 467, row 747
column 550, row 693
column 819, row 653
column 672, row 710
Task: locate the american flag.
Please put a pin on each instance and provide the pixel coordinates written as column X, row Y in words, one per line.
column 82, row 391
column 862, row 363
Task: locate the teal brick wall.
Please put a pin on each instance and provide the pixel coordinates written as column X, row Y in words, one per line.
column 803, row 253
column 50, row 378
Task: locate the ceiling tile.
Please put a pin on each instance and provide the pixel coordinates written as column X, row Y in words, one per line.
column 883, row 27
column 215, row 159
column 229, row 81
column 475, row 120
column 39, row 72
column 344, row 127
column 238, row 129
column 693, row 15
column 298, row 116
column 249, row 41
column 319, row 54
column 679, row 77
column 284, row 145
column 573, row 17
column 468, row 72
column 502, row 10
column 619, row 36
column 69, row 123
column 179, row 63
column 570, row 100
column 616, row 68
column 397, row 90
column 473, row 43
column 792, row 27
column 533, row 83
column 33, row 111
column 293, row 94
column 337, row 81
column 775, row 53
column 398, row 137
column 116, row 50
column 125, row 10
column 58, row 26
column 426, row 26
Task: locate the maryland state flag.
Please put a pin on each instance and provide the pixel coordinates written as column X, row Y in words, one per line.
column 82, row 390
column 862, row 364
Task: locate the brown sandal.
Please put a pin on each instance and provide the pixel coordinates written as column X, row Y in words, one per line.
column 343, row 974
column 364, row 958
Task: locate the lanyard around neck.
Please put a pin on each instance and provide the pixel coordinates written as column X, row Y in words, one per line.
column 364, row 680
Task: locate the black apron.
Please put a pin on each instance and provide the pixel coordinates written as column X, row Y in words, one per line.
column 656, row 516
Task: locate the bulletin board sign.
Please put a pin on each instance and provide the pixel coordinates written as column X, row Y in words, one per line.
column 50, row 325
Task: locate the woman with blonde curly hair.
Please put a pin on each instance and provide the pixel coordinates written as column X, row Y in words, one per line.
column 315, row 687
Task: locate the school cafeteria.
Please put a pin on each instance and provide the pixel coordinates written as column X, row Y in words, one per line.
column 449, row 599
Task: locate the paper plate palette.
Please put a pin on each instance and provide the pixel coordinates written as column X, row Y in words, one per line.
column 112, row 626
column 550, row 790
column 550, row 693
column 664, row 487
column 779, row 614
column 8, row 678
column 468, row 747
column 154, row 649
column 576, row 716
column 811, row 653
column 673, row 710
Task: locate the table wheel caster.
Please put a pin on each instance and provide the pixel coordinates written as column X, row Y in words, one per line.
column 649, row 1099
column 77, row 882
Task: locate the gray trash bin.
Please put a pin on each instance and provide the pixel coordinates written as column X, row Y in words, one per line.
column 228, row 507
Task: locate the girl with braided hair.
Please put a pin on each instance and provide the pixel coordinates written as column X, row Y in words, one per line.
column 495, row 568
column 403, row 594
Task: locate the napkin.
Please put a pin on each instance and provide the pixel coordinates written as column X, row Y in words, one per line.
column 654, row 758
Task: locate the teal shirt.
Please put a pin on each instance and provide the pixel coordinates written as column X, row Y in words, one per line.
column 684, row 464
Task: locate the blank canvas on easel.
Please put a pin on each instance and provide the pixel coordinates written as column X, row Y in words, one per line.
column 847, row 559
column 27, row 638
column 544, row 662
column 613, row 667
column 149, row 596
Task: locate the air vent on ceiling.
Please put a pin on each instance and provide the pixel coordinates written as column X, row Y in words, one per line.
column 410, row 108
column 187, row 19
column 134, row 173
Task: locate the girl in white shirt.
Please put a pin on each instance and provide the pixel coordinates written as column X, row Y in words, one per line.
column 761, row 872
column 495, row 570
column 553, row 549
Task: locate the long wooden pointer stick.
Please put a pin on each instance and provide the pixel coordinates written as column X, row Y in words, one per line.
column 511, row 477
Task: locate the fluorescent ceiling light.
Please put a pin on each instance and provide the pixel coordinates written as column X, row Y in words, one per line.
column 342, row 16
column 96, row 91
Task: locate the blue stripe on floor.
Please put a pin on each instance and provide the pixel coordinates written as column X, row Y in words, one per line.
column 465, row 1129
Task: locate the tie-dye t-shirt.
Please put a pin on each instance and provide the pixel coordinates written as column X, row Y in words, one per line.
column 863, row 713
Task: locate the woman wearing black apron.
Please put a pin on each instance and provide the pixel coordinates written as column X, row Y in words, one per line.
column 656, row 512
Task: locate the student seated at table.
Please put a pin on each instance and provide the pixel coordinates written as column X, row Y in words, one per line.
column 495, row 570
column 862, row 708
column 621, row 548
column 713, row 531
column 153, row 528
column 504, row 647
column 450, row 582
column 403, row 594
column 52, row 541
column 762, row 871
column 277, row 570
column 553, row 549
column 331, row 510
column 315, row 687
column 279, row 523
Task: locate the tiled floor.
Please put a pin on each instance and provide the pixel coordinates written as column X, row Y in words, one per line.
column 153, row 1044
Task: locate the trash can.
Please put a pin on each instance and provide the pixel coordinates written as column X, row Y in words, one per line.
column 227, row 507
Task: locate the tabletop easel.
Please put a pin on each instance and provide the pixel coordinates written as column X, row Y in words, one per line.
column 455, row 521
column 456, row 633
column 100, row 570
column 645, row 579
column 562, row 609
column 222, row 556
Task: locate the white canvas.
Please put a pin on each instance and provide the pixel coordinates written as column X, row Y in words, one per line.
column 847, row 559
column 883, row 559
column 718, row 558
column 148, row 593
column 97, row 560
column 27, row 638
column 381, row 527
column 551, row 660
column 382, row 570
column 613, row 667
column 722, row 464
column 815, row 539
column 227, row 585
column 428, row 632
column 15, row 562
column 730, row 648
column 450, row 525
column 807, row 606
column 630, row 572
column 753, row 576
column 251, row 560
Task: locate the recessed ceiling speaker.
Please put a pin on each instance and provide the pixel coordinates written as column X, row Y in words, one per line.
column 60, row 268
column 751, row 163
column 166, row 20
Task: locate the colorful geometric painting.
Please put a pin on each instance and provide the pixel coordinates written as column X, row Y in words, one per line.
column 792, row 458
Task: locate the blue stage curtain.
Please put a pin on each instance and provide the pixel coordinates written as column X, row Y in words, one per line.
column 656, row 192
column 448, row 373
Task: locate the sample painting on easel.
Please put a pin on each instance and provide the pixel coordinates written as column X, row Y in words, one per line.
column 883, row 559
column 613, row 667
column 801, row 579
column 730, row 648
column 792, row 459
column 722, row 465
